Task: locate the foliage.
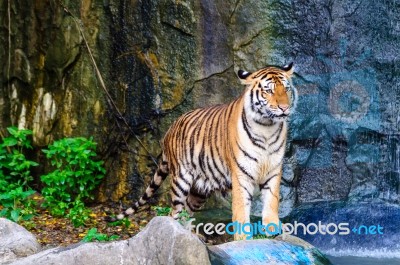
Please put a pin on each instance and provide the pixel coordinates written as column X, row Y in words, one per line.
column 183, row 217
column 125, row 222
column 16, row 204
column 78, row 214
column 15, row 176
column 76, row 173
column 93, row 235
column 14, row 166
column 161, row 211
column 75, row 176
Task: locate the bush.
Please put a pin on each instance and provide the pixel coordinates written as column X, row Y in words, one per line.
column 75, row 176
column 15, row 176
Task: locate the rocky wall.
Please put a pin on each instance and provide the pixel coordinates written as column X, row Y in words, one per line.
column 159, row 59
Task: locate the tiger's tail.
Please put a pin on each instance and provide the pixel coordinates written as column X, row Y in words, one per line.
column 160, row 175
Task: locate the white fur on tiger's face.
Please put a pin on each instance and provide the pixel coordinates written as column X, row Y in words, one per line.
column 233, row 147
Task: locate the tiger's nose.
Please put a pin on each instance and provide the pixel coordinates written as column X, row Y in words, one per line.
column 283, row 107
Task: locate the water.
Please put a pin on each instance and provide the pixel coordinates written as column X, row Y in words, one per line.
column 352, row 260
column 360, row 246
column 364, row 257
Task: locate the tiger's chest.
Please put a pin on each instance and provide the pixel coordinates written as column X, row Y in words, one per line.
column 264, row 155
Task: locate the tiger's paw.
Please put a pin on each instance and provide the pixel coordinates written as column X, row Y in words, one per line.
column 272, row 225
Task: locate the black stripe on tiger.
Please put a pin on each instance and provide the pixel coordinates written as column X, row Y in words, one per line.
column 217, row 134
column 211, row 172
column 211, row 163
column 262, row 186
column 176, row 202
column 175, row 192
column 252, row 100
column 249, row 134
column 245, row 153
column 154, row 186
column 250, row 196
column 279, row 147
column 244, row 171
column 258, row 96
column 176, row 183
column 197, row 194
column 277, row 133
column 162, row 174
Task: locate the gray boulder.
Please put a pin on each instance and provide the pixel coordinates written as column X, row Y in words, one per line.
column 163, row 241
column 15, row 241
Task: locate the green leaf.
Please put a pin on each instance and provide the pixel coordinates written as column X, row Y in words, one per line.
column 3, row 212
column 113, row 237
column 15, row 215
column 12, row 130
column 27, row 217
column 10, row 141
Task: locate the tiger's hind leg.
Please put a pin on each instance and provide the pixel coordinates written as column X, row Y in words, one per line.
column 180, row 188
column 195, row 201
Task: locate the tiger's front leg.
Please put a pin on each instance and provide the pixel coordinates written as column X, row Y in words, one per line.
column 270, row 197
column 242, row 194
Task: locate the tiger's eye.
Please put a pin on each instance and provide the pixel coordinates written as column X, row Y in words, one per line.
column 269, row 91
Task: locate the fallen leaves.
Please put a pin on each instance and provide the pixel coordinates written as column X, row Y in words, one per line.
column 55, row 231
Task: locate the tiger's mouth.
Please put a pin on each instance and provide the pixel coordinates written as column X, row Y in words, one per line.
column 270, row 114
column 282, row 116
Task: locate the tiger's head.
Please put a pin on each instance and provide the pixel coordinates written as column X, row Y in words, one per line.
column 269, row 94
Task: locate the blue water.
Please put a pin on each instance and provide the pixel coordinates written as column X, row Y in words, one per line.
column 364, row 257
column 360, row 246
column 351, row 260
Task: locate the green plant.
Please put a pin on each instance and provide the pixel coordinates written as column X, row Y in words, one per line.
column 76, row 174
column 78, row 214
column 14, row 166
column 183, row 216
column 16, row 204
column 125, row 222
column 161, row 211
column 15, row 176
column 93, row 235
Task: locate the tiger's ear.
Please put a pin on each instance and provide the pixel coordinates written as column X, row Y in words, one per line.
column 243, row 76
column 289, row 69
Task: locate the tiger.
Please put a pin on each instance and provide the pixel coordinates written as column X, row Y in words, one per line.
column 229, row 147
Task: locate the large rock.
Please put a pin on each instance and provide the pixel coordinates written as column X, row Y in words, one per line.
column 163, row 241
column 15, row 241
column 281, row 251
